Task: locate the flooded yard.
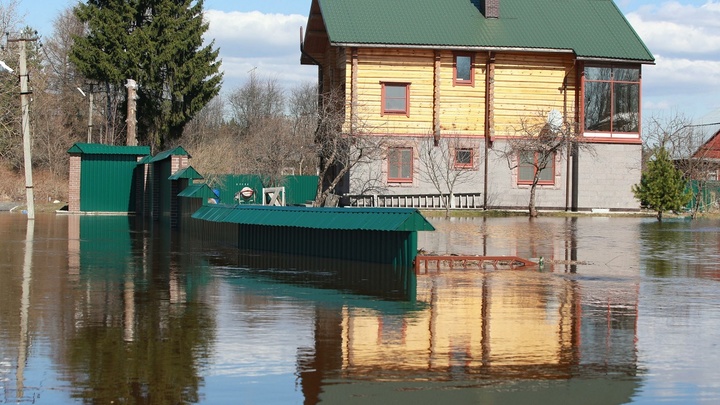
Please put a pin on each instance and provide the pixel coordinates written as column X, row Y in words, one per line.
column 116, row 310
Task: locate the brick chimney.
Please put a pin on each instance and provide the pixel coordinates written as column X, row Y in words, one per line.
column 489, row 8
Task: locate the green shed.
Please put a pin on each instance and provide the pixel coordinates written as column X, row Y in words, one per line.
column 103, row 177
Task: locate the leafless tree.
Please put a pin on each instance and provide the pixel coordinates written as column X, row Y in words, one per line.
column 538, row 142
column 685, row 143
column 303, row 113
column 446, row 164
column 341, row 144
column 258, row 99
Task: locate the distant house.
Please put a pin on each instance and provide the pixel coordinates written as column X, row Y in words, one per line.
column 709, row 151
column 471, row 71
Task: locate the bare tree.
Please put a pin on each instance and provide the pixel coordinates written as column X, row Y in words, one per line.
column 446, row 164
column 685, row 143
column 341, row 144
column 259, row 98
column 538, row 142
column 303, row 112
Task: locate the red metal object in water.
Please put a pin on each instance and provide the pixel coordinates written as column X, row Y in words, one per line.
column 422, row 262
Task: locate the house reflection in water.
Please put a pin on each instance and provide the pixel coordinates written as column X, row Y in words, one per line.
column 486, row 329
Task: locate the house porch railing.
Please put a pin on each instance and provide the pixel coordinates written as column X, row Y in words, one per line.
column 425, row 201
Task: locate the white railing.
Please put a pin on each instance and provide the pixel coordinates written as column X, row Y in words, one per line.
column 425, row 201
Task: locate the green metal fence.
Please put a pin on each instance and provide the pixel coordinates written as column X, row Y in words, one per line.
column 706, row 196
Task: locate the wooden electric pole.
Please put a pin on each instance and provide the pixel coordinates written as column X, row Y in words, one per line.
column 131, row 119
column 25, row 106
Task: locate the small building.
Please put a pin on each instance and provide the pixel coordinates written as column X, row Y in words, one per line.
column 102, row 178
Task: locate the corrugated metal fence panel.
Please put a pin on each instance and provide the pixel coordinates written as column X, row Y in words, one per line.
column 106, row 183
column 299, row 190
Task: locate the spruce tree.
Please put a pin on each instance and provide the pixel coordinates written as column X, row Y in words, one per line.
column 159, row 44
column 662, row 186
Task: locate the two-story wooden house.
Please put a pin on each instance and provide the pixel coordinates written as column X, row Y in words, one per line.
column 472, row 71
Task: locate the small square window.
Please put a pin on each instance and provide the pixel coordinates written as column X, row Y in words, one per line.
column 463, row 72
column 395, row 98
column 400, row 165
column 463, row 158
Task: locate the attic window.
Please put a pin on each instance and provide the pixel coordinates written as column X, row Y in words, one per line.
column 463, row 71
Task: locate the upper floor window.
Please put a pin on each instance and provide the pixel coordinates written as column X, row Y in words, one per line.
column 400, row 165
column 463, row 158
column 395, row 98
column 463, row 71
column 612, row 100
column 530, row 163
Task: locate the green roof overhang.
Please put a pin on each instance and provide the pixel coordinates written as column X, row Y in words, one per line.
column 366, row 219
column 178, row 151
column 186, row 173
column 100, row 149
column 197, row 191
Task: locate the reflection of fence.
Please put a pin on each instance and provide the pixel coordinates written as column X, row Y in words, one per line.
column 459, row 200
column 706, row 199
column 434, row 264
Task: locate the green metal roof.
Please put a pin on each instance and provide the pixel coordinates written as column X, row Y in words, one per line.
column 200, row 190
column 100, row 149
column 592, row 29
column 366, row 219
column 186, row 173
column 178, row 151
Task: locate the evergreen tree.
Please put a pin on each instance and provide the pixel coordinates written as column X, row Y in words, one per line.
column 158, row 43
column 662, row 186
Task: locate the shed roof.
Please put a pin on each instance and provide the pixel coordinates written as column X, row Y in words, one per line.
column 200, row 190
column 101, row 149
column 592, row 29
column 366, row 219
column 178, row 151
column 186, row 173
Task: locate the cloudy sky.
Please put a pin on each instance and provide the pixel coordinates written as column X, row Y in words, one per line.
column 264, row 35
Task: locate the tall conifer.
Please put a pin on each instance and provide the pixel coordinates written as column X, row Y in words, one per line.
column 159, row 44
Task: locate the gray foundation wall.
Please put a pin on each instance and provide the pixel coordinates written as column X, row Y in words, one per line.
column 606, row 175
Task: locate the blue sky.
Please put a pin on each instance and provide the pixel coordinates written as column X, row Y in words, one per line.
column 684, row 36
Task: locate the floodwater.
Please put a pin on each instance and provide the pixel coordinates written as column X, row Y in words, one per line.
column 107, row 310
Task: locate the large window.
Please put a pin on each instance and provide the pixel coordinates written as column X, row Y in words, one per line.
column 395, row 98
column 463, row 72
column 528, row 164
column 400, row 165
column 612, row 100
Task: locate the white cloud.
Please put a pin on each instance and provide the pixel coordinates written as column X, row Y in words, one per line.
column 268, row 42
column 685, row 40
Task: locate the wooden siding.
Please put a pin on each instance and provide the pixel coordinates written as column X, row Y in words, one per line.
column 529, row 86
column 525, row 85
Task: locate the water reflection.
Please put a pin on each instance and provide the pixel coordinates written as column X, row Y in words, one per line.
column 111, row 309
column 134, row 324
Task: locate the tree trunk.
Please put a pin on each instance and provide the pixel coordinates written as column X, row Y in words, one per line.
column 531, row 205
column 659, row 216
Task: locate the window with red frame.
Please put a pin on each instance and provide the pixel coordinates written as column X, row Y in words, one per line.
column 612, row 99
column 530, row 162
column 464, row 158
column 463, row 71
column 400, row 165
column 395, row 98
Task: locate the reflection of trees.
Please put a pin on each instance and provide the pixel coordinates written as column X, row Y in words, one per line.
column 161, row 366
column 136, row 339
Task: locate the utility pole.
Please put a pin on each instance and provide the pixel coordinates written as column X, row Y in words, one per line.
column 25, row 105
column 90, row 114
column 131, row 121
